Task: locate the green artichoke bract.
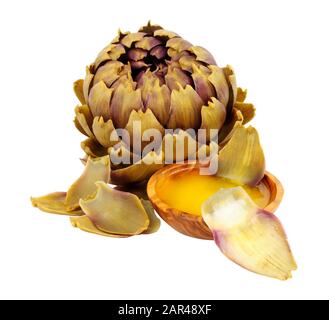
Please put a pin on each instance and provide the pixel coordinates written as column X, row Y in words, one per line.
column 161, row 80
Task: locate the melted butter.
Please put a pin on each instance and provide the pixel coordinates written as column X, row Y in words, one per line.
column 188, row 190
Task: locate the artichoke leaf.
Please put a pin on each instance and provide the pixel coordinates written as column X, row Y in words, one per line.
column 104, row 132
column 78, row 90
column 84, row 120
column 185, row 109
column 241, row 94
column 88, row 81
column 213, row 116
column 85, row 224
column 247, row 109
column 179, row 146
column 235, row 121
column 100, row 99
column 251, row 237
column 92, row 148
column 242, row 159
column 231, row 80
column 84, row 187
column 115, row 212
column 154, row 220
column 54, row 203
column 139, row 171
column 139, row 122
column 218, row 80
column 203, row 55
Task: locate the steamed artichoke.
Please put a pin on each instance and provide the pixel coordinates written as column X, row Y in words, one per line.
column 156, row 77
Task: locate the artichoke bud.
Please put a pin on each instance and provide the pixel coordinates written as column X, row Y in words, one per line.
column 155, row 75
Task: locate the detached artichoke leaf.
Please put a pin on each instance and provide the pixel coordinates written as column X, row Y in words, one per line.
column 247, row 235
column 154, row 220
column 85, row 224
column 84, row 187
column 115, row 212
column 242, row 159
column 138, row 189
column 54, row 203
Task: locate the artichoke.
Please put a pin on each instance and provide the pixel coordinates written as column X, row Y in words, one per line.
column 163, row 81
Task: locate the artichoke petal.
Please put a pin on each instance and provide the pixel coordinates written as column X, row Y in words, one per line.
column 79, row 127
column 85, row 224
column 116, row 52
column 241, row 95
column 139, row 64
column 176, row 77
column 165, row 33
column 148, row 43
column 186, row 61
column 230, row 78
column 99, row 100
column 235, row 120
column 93, row 148
column 150, row 28
column 154, row 220
column 155, row 96
column 203, row 55
column 103, row 55
column 110, row 52
column 179, row 146
column 202, row 85
column 109, row 73
column 218, row 80
column 54, row 203
column 84, row 187
column 213, row 117
column 120, row 155
column 124, row 100
column 185, row 109
column 131, row 38
column 115, row 212
column 251, row 237
column 178, row 44
column 139, row 171
column 78, row 90
column 146, row 120
column 104, row 132
column 247, row 109
column 140, row 191
column 85, row 119
column 242, row 158
column 136, row 54
column 119, row 36
column 87, row 82
column 159, row 52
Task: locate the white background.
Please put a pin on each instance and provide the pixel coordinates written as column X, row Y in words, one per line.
column 279, row 50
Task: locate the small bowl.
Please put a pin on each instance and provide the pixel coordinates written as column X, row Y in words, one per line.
column 190, row 224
